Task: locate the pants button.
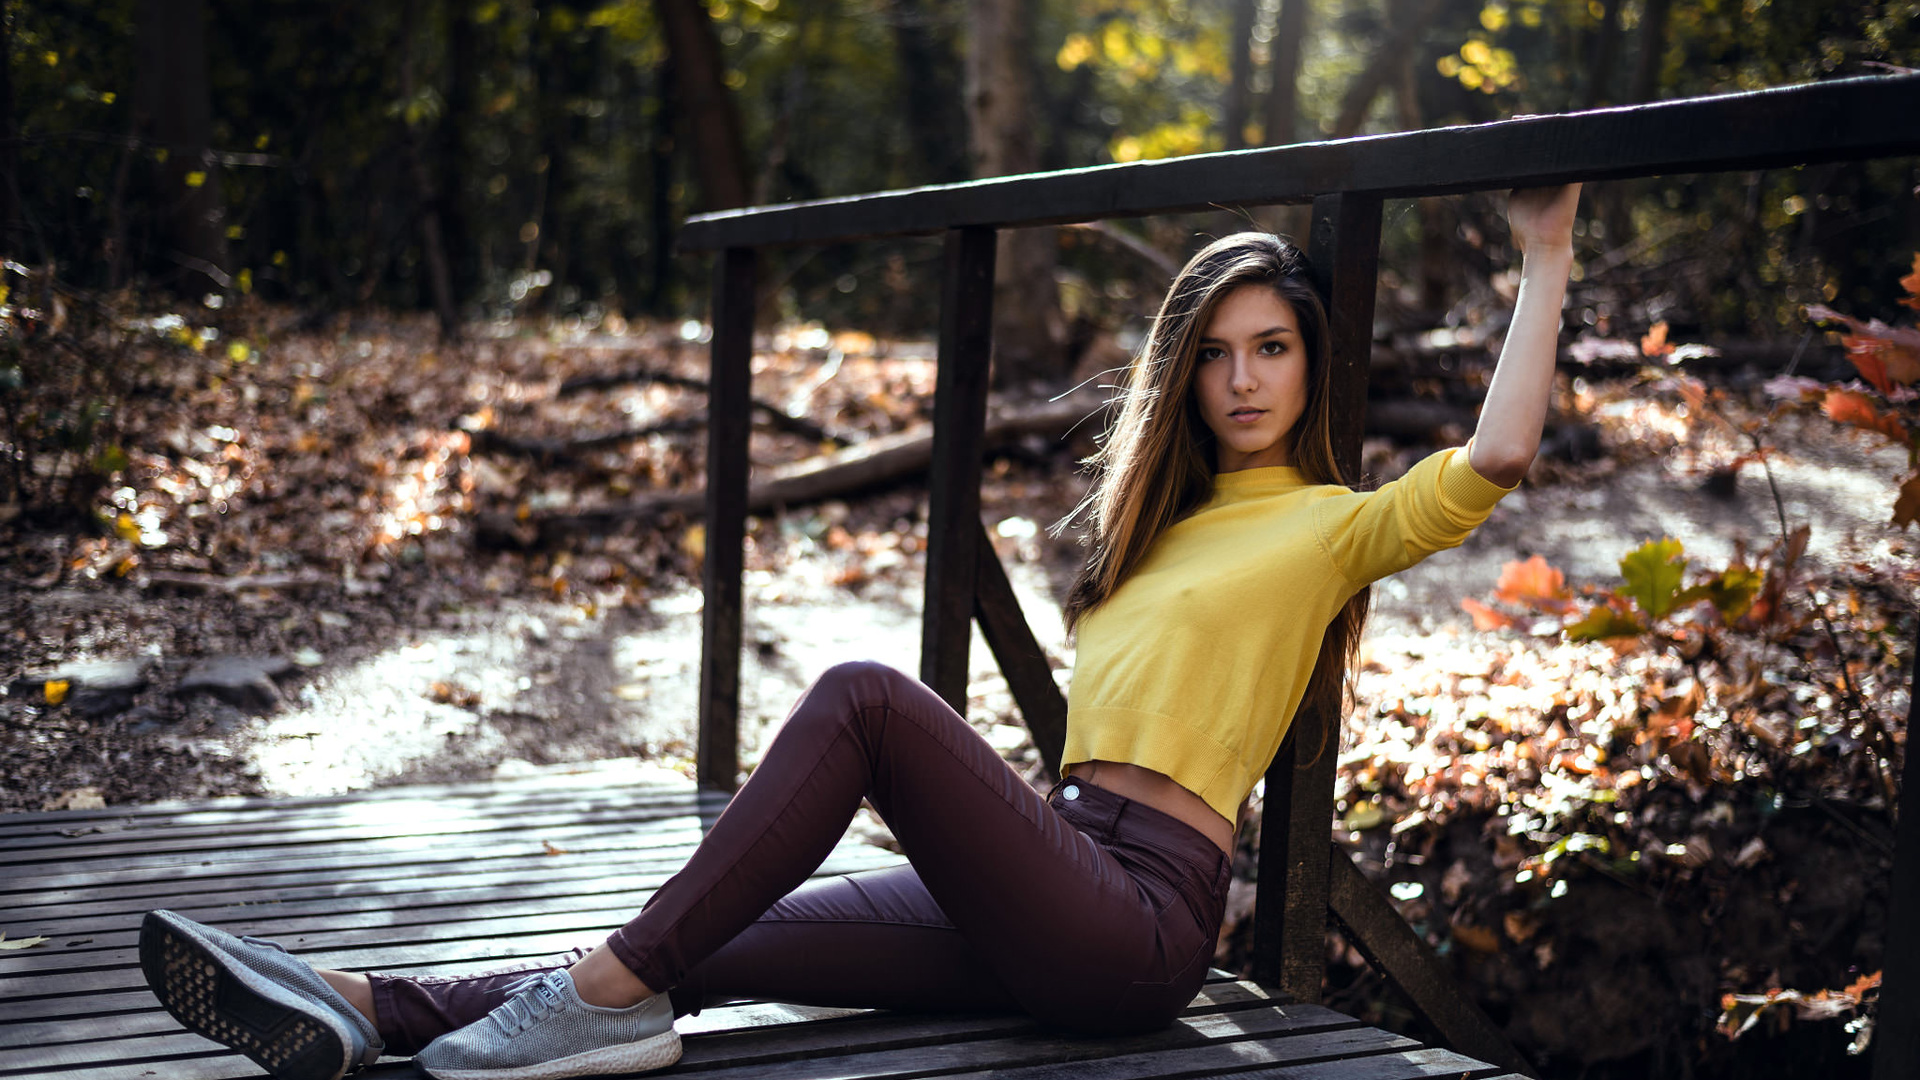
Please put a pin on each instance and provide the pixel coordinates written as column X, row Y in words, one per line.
column 1071, row 792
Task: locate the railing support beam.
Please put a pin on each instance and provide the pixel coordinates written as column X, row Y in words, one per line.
column 953, row 504
column 1020, row 657
column 729, row 421
column 1896, row 1025
column 1290, row 911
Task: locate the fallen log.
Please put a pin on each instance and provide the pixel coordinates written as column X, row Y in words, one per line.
column 772, row 415
column 877, row 461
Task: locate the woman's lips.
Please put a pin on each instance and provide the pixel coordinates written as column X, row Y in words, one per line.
column 1246, row 416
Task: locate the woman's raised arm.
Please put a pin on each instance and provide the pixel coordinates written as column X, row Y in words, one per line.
column 1508, row 434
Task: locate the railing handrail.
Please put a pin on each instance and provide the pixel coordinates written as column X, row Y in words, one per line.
column 1863, row 117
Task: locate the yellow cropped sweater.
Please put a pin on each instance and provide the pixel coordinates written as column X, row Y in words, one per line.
column 1195, row 665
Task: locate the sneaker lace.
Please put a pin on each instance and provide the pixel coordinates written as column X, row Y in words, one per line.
column 531, row 999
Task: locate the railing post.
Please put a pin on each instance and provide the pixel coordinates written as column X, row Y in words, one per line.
column 1896, row 1026
column 959, row 419
column 1290, row 911
column 729, row 421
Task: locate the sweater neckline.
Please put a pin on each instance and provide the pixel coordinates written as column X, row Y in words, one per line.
column 1254, row 483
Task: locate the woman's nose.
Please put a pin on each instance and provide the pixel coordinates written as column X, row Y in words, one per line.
column 1243, row 380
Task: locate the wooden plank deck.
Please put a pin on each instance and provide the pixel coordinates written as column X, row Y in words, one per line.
column 454, row 878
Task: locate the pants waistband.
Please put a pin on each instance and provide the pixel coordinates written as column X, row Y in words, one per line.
column 1112, row 818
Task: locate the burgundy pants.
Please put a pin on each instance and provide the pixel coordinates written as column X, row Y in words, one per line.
column 1087, row 910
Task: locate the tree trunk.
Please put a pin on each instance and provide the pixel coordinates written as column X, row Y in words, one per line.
column 9, row 151
column 930, row 88
column 1283, row 66
column 660, row 190
column 1239, row 89
column 1606, row 47
column 1653, row 51
column 1409, row 21
column 1435, row 214
column 712, row 119
column 1027, row 330
column 451, row 151
column 439, row 280
column 174, row 111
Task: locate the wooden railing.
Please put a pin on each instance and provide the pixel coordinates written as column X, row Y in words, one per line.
column 1304, row 877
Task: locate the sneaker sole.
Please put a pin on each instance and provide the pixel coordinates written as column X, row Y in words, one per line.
column 204, row 989
column 655, row 1052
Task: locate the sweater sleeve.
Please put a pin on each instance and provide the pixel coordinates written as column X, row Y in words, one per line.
column 1370, row 534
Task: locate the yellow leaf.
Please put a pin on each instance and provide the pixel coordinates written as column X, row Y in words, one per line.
column 695, row 542
column 1077, row 50
column 244, row 279
column 238, row 353
column 196, row 178
column 20, row 943
column 3, row 294
column 1365, row 815
column 56, row 690
column 126, row 528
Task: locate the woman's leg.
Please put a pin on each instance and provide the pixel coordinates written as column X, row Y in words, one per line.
column 1033, row 894
column 869, row 940
column 1086, row 934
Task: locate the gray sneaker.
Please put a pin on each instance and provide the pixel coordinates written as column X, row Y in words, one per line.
column 255, row 997
column 545, row 1032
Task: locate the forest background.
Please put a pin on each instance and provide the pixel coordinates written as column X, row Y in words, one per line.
column 337, row 334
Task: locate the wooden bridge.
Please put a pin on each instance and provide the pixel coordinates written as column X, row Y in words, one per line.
column 457, row 878
column 449, row 879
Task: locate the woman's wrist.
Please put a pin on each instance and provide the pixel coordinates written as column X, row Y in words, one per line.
column 1547, row 252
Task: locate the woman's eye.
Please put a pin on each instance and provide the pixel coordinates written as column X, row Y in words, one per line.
column 1273, row 348
column 1211, row 354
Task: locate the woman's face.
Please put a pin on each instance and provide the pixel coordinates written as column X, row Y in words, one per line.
column 1250, row 378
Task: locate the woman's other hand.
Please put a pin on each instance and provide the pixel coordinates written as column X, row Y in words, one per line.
column 1508, row 434
column 1542, row 218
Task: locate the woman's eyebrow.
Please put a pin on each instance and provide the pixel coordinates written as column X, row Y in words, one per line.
column 1273, row 332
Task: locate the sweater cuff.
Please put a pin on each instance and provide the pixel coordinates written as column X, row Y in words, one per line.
column 1465, row 489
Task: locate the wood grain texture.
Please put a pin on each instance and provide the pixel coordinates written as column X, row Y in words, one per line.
column 729, row 408
column 346, row 884
column 953, row 499
column 1868, row 117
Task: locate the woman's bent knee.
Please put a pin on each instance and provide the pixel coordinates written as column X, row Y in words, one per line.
column 858, row 682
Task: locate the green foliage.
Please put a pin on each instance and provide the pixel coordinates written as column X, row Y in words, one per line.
column 1653, row 593
column 1653, row 572
column 560, row 161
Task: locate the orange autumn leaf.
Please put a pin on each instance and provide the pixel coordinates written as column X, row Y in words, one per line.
column 1655, row 343
column 1906, row 508
column 1871, row 980
column 1911, row 283
column 1884, row 354
column 1486, row 618
column 1533, row 584
column 1852, row 407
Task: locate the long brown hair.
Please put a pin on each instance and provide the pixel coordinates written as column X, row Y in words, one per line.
column 1156, row 462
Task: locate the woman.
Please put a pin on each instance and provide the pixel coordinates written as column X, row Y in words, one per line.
column 1225, row 584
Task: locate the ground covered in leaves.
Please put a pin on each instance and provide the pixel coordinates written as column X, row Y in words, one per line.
column 329, row 554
